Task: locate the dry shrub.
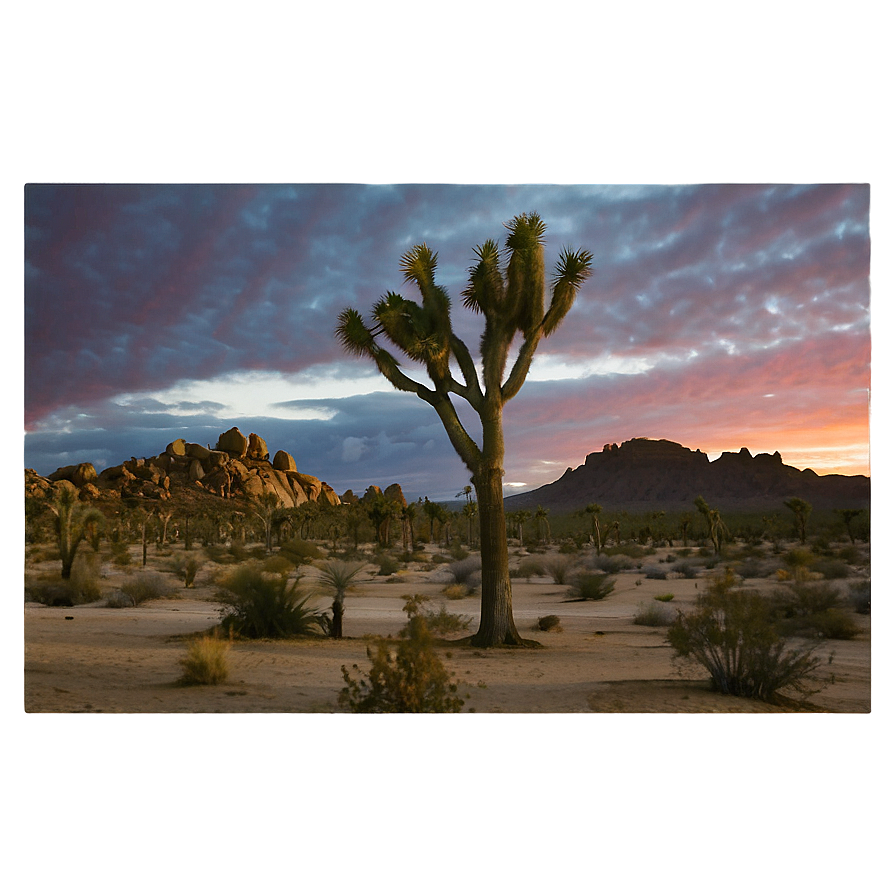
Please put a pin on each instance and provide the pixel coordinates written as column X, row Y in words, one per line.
column 458, row 592
column 405, row 676
column 591, row 586
column 733, row 635
column 205, row 662
column 653, row 614
column 558, row 568
column 549, row 623
column 144, row 586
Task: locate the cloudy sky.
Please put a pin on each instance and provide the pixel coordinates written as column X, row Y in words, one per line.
column 717, row 316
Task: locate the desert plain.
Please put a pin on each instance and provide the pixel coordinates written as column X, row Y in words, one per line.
column 98, row 659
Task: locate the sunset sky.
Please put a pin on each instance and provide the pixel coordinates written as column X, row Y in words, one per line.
column 718, row 316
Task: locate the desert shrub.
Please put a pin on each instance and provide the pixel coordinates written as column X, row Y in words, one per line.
column 466, row 571
column 59, row 593
column 85, row 578
column 261, row 604
column 849, row 554
column 860, row 596
column 611, row 563
column 558, row 568
column 144, row 586
column 388, row 565
column 458, row 591
column 548, row 623
column 121, row 555
column 796, row 557
column 569, row 547
column 205, row 662
column 654, row 572
column 832, row 568
column 405, row 676
column 635, row 551
column 299, row 551
column 458, row 551
column 529, row 566
column 438, row 559
column 732, row 634
column 813, row 609
column 687, row 570
column 755, row 568
column 185, row 566
column 654, row 614
column 439, row 621
column 664, row 598
column 591, row 586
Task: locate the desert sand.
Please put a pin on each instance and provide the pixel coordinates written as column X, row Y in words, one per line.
column 97, row 659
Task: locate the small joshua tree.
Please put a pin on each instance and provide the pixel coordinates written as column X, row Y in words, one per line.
column 337, row 576
column 74, row 522
column 801, row 510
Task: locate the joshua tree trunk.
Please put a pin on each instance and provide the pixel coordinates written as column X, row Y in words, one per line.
column 338, row 610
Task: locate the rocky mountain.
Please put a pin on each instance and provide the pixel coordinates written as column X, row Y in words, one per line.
column 659, row 474
column 238, row 468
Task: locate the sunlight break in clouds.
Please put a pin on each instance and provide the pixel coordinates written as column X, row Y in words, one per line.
column 261, row 394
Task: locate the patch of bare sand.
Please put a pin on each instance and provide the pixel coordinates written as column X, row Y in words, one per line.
column 92, row 659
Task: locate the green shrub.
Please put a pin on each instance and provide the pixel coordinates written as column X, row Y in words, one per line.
column 611, row 563
column 261, row 604
column 144, row 586
column 405, row 676
column 732, row 634
column 591, row 586
column 558, row 568
column 121, row 555
column 439, row 621
column 205, row 662
column 654, row 615
column 653, row 572
column 85, row 578
column 458, row 551
column 635, row 551
column 831, row 568
column 457, row 591
column 664, row 598
column 388, row 565
column 569, row 547
column 185, row 566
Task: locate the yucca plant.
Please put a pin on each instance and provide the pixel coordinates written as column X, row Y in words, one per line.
column 337, row 576
column 261, row 604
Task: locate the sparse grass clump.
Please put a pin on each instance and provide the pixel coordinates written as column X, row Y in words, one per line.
column 405, row 676
column 732, row 634
column 261, row 604
column 558, row 568
column 439, row 621
column 457, row 591
column 654, row 615
column 144, row 586
column 591, row 586
column 205, row 662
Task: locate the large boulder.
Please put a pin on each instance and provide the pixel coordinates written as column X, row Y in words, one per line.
column 77, row 474
column 394, row 493
column 310, row 484
column 200, row 452
column 197, row 473
column 258, row 448
column 178, row 448
column 328, row 496
column 284, row 461
column 372, row 492
column 233, row 442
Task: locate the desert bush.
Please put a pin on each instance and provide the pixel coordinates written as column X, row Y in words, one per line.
column 458, row 591
column 849, row 554
column 260, row 604
column 591, row 586
column 548, row 623
column 185, row 566
column 654, row 572
column 405, row 676
column 635, row 551
column 299, row 551
column 611, row 563
column 832, row 568
column 664, row 598
column 144, row 586
column 529, row 566
column 439, row 621
column 467, row 571
column 85, row 578
column 687, row 569
column 756, row 568
column 458, row 551
column 388, row 565
column 860, row 596
column 558, row 568
column 205, row 662
column 58, row 593
column 121, row 555
column 732, row 634
column 569, row 547
column 654, row 614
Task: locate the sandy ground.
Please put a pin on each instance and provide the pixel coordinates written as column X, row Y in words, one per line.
column 96, row 659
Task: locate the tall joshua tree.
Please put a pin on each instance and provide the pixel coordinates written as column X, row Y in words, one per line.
column 74, row 521
column 509, row 292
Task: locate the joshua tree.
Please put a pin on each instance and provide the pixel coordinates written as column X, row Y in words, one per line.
column 594, row 511
column 801, row 510
column 848, row 516
column 73, row 523
column 512, row 302
column 518, row 519
column 717, row 529
column 684, row 524
column 433, row 511
column 544, row 527
column 338, row 576
column 265, row 508
column 469, row 511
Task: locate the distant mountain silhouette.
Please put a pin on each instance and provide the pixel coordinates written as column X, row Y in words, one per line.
column 658, row 474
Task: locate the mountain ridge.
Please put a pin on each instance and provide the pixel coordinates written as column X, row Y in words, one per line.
column 658, row 473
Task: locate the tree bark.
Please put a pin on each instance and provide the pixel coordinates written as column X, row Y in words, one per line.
column 496, row 624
